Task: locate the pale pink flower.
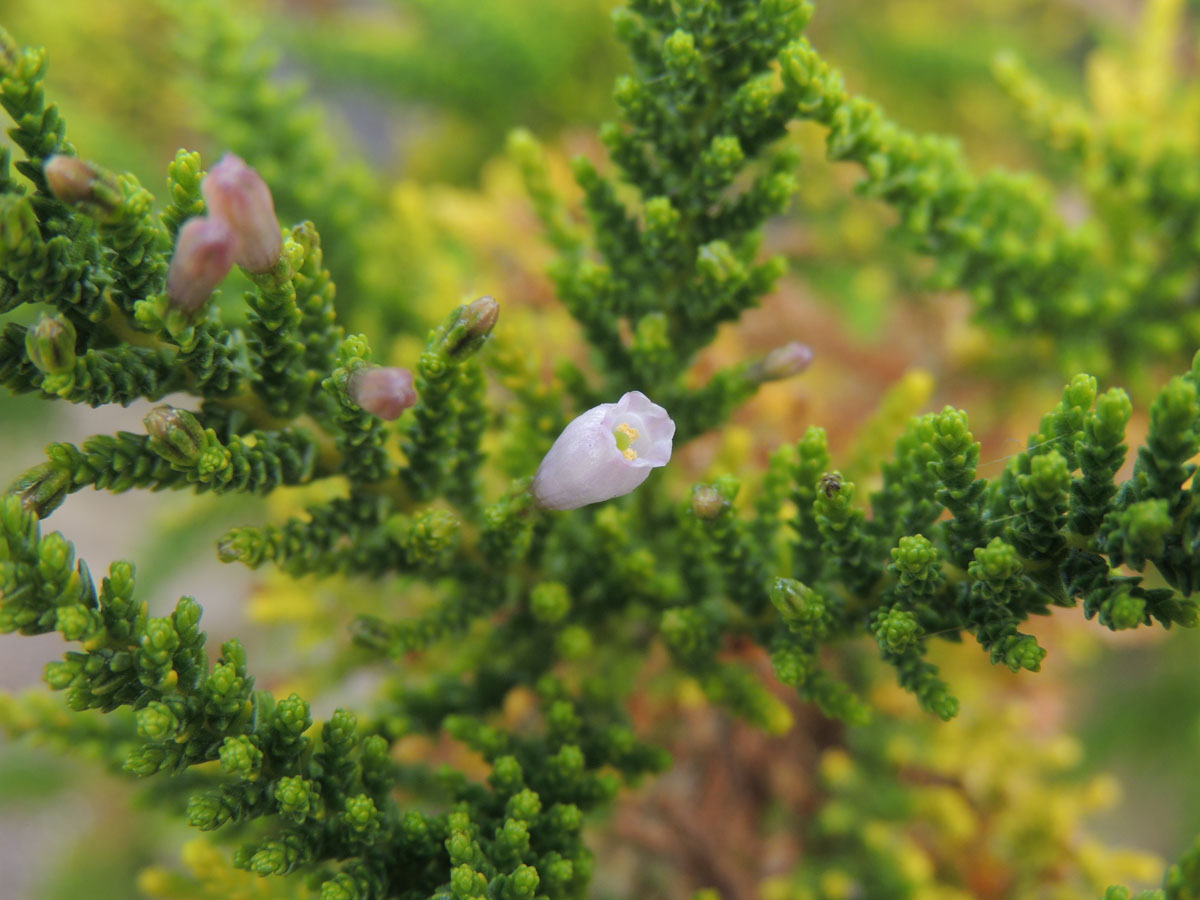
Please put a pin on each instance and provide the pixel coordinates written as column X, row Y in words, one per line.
column 606, row 452
column 382, row 391
column 236, row 193
column 203, row 257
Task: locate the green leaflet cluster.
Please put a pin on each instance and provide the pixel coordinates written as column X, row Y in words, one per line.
column 559, row 609
column 999, row 236
column 328, row 794
column 116, row 338
column 699, row 121
column 1052, row 530
column 275, row 409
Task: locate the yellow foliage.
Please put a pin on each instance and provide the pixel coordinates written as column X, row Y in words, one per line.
column 906, row 398
column 995, row 784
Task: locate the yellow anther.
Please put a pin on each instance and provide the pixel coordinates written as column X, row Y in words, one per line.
column 626, row 434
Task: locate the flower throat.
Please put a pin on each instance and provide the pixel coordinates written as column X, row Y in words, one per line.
column 626, row 434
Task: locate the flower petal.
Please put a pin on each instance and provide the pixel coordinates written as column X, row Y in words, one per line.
column 585, row 464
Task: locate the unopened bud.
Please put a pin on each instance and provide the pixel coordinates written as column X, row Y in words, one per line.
column 801, row 608
column 707, row 502
column 74, row 181
column 42, row 489
column 70, row 178
column 203, row 257
column 383, row 391
column 176, row 435
column 51, row 345
column 469, row 327
column 235, row 193
column 784, row 362
column 482, row 315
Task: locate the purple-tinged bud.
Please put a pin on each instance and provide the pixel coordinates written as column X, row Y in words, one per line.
column 176, row 435
column 79, row 183
column 470, row 327
column 482, row 315
column 235, row 193
column 51, row 345
column 606, row 452
column 70, row 178
column 203, row 257
column 382, row 391
column 784, row 362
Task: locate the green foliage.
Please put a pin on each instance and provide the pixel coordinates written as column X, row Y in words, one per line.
column 248, row 112
column 498, row 602
column 999, row 237
column 683, row 260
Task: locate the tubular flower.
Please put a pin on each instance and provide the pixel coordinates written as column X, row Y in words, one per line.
column 606, row 452
column 383, row 391
column 237, row 194
column 203, row 257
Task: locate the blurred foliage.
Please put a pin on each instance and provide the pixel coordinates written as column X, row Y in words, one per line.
column 987, row 806
column 463, row 73
column 1130, row 723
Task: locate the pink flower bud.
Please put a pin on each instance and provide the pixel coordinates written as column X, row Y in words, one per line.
column 475, row 322
column 203, row 257
column 76, row 182
column 606, row 452
column 384, row 392
column 237, row 194
column 784, row 362
column 70, row 178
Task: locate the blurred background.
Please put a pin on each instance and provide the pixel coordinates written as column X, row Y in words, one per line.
column 408, row 104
